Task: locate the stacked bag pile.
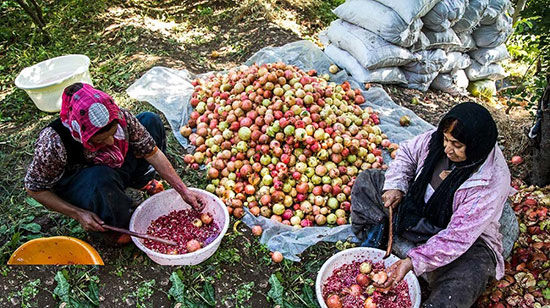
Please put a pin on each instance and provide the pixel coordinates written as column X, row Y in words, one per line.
column 442, row 44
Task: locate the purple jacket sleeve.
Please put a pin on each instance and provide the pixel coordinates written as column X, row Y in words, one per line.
column 403, row 168
column 478, row 208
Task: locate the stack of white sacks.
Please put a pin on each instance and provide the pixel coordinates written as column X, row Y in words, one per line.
column 442, row 44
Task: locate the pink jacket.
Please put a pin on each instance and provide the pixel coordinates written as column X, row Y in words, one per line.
column 477, row 207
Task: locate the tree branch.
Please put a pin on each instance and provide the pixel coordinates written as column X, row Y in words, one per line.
column 38, row 21
column 540, row 174
column 38, row 11
column 519, row 7
column 31, row 13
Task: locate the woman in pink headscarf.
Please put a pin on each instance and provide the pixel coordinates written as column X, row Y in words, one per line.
column 85, row 159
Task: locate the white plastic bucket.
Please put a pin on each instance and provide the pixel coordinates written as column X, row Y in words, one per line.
column 44, row 82
column 372, row 254
column 166, row 202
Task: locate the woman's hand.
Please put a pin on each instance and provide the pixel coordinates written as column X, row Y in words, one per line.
column 189, row 196
column 90, row 221
column 167, row 172
column 392, row 197
column 396, row 272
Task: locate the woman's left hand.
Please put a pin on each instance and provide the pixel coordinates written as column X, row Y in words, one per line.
column 397, row 271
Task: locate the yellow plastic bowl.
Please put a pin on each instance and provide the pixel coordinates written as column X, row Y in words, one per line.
column 57, row 250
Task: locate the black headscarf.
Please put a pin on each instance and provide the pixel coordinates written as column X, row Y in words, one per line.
column 477, row 130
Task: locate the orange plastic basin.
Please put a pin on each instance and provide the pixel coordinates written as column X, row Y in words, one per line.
column 58, row 250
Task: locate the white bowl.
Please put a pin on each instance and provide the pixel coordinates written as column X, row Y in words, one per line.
column 167, row 201
column 372, row 254
column 44, row 82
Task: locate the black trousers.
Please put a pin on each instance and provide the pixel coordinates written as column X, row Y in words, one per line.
column 461, row 282
column 457, row 284
column 100, row 189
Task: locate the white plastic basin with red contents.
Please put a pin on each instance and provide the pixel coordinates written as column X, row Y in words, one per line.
column 373, row 255
column 167, row 201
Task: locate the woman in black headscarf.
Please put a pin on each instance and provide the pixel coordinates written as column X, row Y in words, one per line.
column 449, row 187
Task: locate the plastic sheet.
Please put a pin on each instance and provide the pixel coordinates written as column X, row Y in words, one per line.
column 170, row 90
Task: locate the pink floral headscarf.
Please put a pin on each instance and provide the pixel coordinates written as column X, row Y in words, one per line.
column 84, row 113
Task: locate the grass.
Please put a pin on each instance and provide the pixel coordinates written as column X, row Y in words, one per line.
column 123, row 39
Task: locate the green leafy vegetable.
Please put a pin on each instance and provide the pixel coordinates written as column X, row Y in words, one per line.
column 32, row 227
column 62, row 290
column 209, row 294
column 177, row 291
column 309, row 297
column 276, row 291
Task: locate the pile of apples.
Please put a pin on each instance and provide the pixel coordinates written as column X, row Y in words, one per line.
column 285, row 143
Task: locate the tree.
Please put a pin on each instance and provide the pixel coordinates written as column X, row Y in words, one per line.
column 35, row 12
column 517, row 10
column 534, row 13
column 540, row 164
